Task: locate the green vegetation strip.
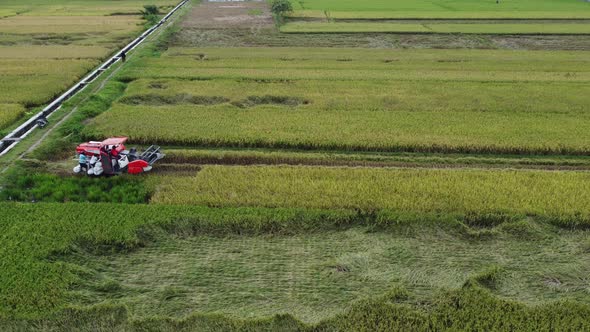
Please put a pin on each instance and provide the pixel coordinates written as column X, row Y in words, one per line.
column 361, row 130
column 22, row 186
column 260, row 276
column 469, row 28
column 562, row 196
column 448, row 9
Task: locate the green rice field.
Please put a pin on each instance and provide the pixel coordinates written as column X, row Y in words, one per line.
column 434, row 9
column 470, row 28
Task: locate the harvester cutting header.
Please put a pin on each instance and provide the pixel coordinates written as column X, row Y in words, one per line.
column 110, row 157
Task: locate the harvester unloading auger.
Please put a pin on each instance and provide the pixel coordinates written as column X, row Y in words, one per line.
column 110, row 157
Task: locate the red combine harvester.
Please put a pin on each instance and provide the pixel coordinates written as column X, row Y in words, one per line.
column 110, row 157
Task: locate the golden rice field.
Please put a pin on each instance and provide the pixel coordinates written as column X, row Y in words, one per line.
column 70, row 24
column 375, row 95
column 467, row 9
column 466, row 101
column 10, row 113
column 411, row 190
column 361, row 64
column 285, row 127
column 465, row 28
column 35, row 81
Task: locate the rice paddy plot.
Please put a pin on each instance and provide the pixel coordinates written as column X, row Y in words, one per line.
column 541, row 193
column 223, row 156
column 371, row 9
column 10, row 113
column 360, row 130
column 392, row 95
column 411, row 100
column 288, row 64
column 69, row 24
column 32, row 82
column 466, row 28
column 82, row 7
column 47, row 46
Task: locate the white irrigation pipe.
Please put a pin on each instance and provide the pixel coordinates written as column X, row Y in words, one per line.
column 10, row 140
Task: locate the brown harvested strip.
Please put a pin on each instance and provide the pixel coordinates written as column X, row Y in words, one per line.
column 179, row 159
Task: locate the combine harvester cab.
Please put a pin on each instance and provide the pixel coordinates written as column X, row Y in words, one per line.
column 110, row 157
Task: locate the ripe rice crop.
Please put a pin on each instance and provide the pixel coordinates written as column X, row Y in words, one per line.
column 10, row 113
column 361, row 130
column 52, row 52
column 69, row 24
column 551, row 194
column 288, row 64
column 411, row 100
column 472, row 28
column 82, row 8
column 34, row 81
column 47, row 46
column 451, row 9
column 423, row 95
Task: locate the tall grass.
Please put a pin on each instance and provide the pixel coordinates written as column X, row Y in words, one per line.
column 30, row 186
column 471, row 308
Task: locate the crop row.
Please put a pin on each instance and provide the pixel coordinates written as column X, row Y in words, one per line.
column 469, row 28
column 553, row 194
column 36, row 237
column 368, row 130
column 342, row 158
column 423, row 95
column 81, row 9
column 371, row 9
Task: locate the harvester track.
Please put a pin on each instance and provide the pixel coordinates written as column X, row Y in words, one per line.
column 10, row 140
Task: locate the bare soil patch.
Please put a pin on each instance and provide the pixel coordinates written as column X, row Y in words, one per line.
column 229, row 14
